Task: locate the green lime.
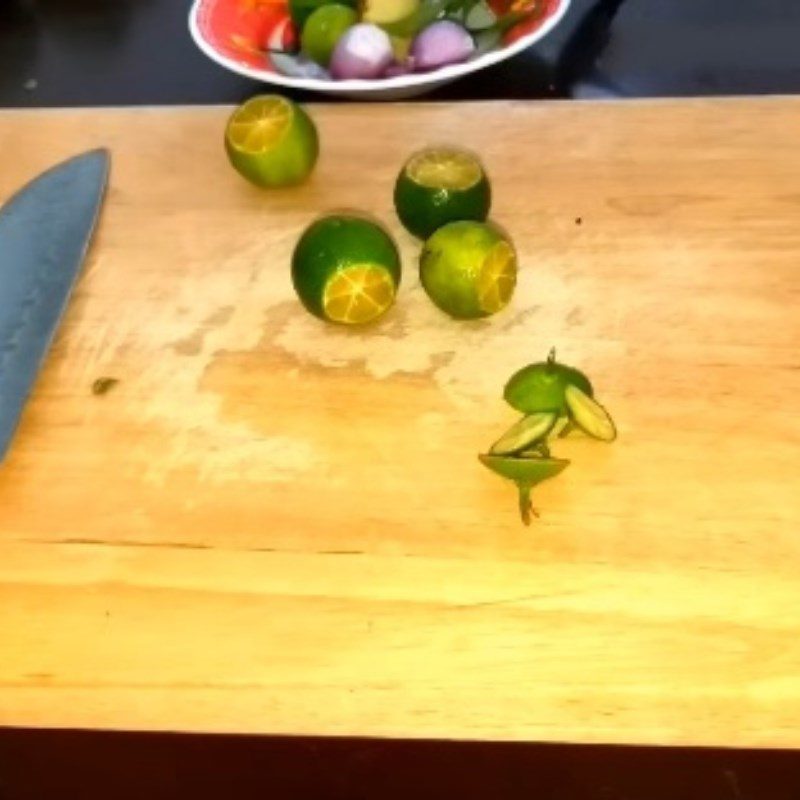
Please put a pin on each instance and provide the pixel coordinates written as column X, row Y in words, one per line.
column 441, row 185
column 271, row 141
column 324, row 28
column 346, row 269
column 301, row 10
column 526, row 473
column 468, row 269
column 541, row 386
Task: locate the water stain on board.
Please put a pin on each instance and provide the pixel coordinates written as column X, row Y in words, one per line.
column 192, row 345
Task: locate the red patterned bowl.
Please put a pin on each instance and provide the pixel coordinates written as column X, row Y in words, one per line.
column 239, row 35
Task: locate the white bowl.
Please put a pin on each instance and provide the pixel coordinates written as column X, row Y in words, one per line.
column 231, row 38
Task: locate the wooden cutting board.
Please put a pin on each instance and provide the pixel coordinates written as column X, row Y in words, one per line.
column 270, row 524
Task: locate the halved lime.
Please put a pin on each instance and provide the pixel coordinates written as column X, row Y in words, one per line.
column 271, row 141
column 468, row 269
column 440, row 185
column 541, row 386
column 524, row 433
column 346, row 269
column 324, row 28
column 526, row 473
column 589, row 415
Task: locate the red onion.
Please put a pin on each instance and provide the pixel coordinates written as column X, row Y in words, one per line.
column 399, row 68
column 441, row 43
column 364, row 51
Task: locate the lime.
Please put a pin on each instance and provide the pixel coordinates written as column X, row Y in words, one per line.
column 589, row 415
column 468, row 269
column 271, row 141
column 441, row 185
column 383, row 12
column 526, row 473
column 541, row 386
column 324, row 28
column 525, row 434
column 346, row 269
column 301, row 10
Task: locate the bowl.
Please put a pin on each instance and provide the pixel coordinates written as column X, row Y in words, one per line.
column 238, row 34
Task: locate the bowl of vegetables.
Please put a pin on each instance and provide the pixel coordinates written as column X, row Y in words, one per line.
column 368, row 49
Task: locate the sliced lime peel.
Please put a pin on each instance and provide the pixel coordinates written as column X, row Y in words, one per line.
column 589, row 415
column 556, row 399
column 526, row 473
column 524, row 433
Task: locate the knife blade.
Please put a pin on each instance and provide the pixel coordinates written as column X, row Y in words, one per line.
column 45, row 231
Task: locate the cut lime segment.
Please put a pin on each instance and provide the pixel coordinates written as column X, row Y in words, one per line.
column 358, row 294
column 562, row 427
column 444, row 168
column 271, row 141
column 524, row 433
column 440, row 185
column 346, row 269
column 498, row 278
column 538, row 450
column 258, row 125
column 468, row 269
column 526, row 473
column 589, row 415
column 541, row 386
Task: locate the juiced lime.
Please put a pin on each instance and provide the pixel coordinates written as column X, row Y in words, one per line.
column 468, row 269
column 324, row 28
column 346, row 269
column 441, row 185
column 271, row 141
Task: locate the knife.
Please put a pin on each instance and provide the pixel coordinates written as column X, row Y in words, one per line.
column 45, row 230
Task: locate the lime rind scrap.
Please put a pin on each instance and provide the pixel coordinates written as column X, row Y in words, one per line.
column 525, row 473
column 589, row 415
column 524, row 433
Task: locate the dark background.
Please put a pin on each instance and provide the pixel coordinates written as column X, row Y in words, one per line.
column 63, row 766
column 119, row 52
column 115, row 52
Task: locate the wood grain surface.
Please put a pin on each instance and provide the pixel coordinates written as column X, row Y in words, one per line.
column 274, row 525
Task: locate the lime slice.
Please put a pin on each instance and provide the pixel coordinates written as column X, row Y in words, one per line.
column 346, row 269
column 526, row 473
column 589, row 415
column 441, row 185
column 523, row 434
column 468, row 269
column 324, row 28
column 541, row 386
column 271, row 141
